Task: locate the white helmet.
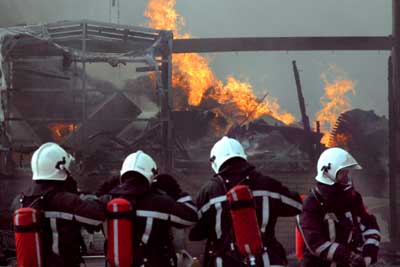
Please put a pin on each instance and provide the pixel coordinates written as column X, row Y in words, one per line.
column 331, row 162
column 225, row 149
column 50, row 162
column 140, row 162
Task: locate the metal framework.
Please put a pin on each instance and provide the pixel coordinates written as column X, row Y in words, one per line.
column 76, row 43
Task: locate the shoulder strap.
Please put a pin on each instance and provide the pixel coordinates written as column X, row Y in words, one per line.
column 36, row 200
column 317, row 195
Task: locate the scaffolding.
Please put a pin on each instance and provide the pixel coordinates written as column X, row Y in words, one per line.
column 62, row 51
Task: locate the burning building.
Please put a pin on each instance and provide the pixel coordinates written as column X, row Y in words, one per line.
column 48, row 96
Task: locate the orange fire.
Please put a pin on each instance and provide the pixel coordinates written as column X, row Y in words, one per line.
column 61, row 130
column 334, row 102
column 192, row 73
column 340, row 140
column 241, row 93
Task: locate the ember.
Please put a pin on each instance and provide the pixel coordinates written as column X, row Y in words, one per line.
column 61, row 130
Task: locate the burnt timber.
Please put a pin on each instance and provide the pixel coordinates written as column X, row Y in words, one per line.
column 209, row 45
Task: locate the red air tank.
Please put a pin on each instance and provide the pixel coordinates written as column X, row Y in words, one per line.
column 244, row 221
column 119, row 233
column 28, row 241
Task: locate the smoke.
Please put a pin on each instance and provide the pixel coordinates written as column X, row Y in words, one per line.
column 14, row 12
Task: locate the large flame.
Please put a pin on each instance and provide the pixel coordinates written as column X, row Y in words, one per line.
column 334, row 102
column 192, row 73
column 241, row 93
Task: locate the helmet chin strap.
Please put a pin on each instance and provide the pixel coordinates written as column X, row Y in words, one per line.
column 347, row 186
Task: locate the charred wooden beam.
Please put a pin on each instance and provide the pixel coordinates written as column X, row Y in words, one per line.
column 166, row 99
column 304, row 117
column 74, row 120
column 148, row 69
column 394, row 127
column 84, row 93
column 208, row 45
column 145, row 135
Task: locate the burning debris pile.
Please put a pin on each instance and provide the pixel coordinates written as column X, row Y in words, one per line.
column 199, row 85
column 268, row 142
column 269, row 139
column 265, row 137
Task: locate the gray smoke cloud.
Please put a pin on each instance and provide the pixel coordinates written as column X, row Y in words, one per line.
column 270, row 71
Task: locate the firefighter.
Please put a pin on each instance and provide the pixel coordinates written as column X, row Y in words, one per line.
column 336, row 227
column 54, row 193
column 159, row 204
column 272, row 200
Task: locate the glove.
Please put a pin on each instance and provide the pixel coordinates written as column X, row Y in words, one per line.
column 371, row 251
column 168, row 184
column 367, row 261
column 356, row 260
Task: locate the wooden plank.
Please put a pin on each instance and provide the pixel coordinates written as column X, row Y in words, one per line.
column 44, row 90
column 394, row 128
column 72, row 120
column 209, row 45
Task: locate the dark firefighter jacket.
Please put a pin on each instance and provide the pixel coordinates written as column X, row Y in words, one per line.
column 335, row 223
column 156, row 212
column 272, row 200
column 64, row 214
